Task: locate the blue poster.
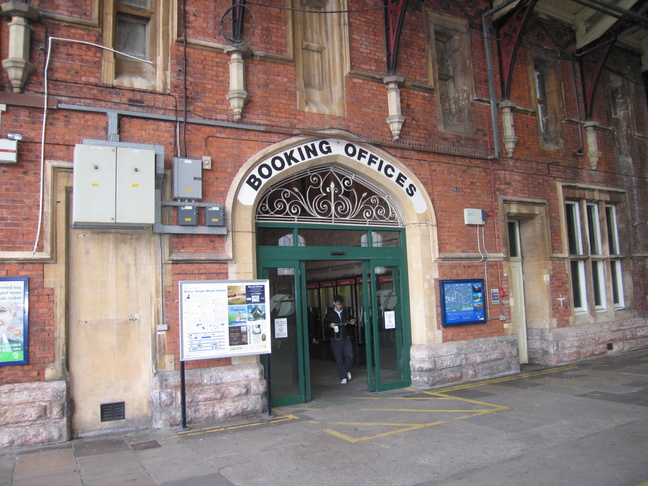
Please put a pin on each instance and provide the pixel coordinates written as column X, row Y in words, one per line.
column 462, row 302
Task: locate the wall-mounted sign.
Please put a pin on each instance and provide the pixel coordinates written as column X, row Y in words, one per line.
column 223, row 318
column 267, row 168
column 14, row 311
column 462, row 302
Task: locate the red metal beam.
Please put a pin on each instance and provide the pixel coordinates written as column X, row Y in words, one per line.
column 510, row 30
column 394, row 15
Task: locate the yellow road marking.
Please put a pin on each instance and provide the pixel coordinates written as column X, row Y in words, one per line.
column 437, row 394
column 284, row 418
column 348, row 438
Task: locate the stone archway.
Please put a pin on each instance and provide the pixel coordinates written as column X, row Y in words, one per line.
column 375, row 166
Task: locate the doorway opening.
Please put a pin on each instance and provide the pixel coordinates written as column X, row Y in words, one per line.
column 303, row 281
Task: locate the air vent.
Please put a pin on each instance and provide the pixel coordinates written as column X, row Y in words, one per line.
column 113, row 411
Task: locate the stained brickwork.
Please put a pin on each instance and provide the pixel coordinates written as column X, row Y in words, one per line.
column 457, row 171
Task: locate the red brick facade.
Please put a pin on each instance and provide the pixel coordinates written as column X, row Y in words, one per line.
column 189, row 115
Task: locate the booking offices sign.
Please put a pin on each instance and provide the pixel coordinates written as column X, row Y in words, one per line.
column 267, row 168
column 221, row 318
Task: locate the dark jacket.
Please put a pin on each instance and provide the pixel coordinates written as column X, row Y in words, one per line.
column 344, row 330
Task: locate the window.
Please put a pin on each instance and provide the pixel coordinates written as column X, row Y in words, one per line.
column 615, row 256
column 576, row 254
column 136, row 27
column 321, row 55
column 449, row 71
column 595, row 259
column 547, row 93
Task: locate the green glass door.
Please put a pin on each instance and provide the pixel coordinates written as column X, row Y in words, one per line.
column 386, row 329
column 306, row 266
column 288, row 364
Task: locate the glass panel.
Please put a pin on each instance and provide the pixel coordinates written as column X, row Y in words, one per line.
column 389, row 326
column 284, row 367
column 132, row 35
column 598, row 284
column 594, row 229
column 382, row 239
column 617, row 283
column 275, row 237
column 573, row 229
column 135, row 3
column 332, row 237
column 577, row 287
column 315, row 334
column 541, row 93
column 514, row 249
column 612, row 228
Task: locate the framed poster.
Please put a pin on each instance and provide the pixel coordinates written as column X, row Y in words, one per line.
column 14, row 311
column 223, row 318
column 462, row 302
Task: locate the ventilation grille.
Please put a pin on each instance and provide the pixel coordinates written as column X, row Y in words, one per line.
column 113, row 411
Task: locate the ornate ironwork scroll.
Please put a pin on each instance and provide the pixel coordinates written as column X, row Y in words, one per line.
column 328, row 194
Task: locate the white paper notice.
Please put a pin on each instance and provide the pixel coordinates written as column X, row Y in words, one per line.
column 281, row 328
column 390, row 320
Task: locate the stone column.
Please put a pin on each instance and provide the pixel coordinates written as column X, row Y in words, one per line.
column 237, row 95
column 509, row 137
column 17, row 65
column 395, row 120
column 592, row 144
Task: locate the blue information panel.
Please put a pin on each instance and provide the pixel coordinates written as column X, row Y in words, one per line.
column 462, row 302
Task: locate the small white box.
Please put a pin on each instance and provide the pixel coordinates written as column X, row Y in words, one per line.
column 474, row 216
column 8, row 150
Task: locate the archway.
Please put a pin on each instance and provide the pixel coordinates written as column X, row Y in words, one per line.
column 378, row 169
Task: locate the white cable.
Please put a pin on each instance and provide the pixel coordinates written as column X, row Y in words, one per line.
column 484, row 242
column 478, row 245
column 46, row 98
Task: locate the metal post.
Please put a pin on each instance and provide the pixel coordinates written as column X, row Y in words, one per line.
column 183, row 397
column 268, row 385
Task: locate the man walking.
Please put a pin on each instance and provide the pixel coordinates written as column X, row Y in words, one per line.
column 340, row 322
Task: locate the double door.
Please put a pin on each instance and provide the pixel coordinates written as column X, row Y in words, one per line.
column 373, row 288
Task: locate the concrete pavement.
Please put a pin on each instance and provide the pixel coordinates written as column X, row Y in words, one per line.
column 582, row 424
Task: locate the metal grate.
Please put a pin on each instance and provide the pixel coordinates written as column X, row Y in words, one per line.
column 328, row 194
column 113, row 411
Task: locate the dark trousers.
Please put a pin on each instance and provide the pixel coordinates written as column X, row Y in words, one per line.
column 343, row 352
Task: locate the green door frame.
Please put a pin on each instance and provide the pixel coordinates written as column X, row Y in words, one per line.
column 377, row 331
column 295, row 257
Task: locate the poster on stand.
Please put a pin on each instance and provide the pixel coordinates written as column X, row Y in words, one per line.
column 223, row 318
column 14, row 307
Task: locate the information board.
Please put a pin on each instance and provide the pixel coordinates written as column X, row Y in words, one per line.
column 462, row 302
column 14, row 311
column 223, row 318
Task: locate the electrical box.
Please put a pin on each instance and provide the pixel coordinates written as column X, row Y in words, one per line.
column 187, row 216
column 187, row 178
column 8, row 150
column 113, row 186
column 214, row 216
column 474, row 216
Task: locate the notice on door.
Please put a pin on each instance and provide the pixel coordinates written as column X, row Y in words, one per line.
column 223, row 318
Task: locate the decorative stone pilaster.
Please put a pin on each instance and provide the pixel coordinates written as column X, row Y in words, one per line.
column 592, row 144
column 509, row 137
column 17, row 65
column 395, row 120
column 237, row 95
